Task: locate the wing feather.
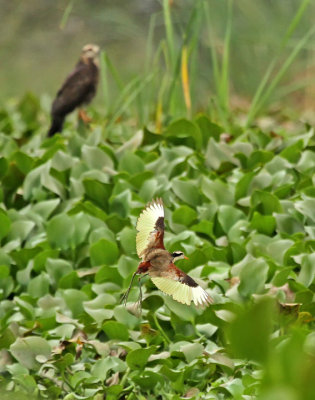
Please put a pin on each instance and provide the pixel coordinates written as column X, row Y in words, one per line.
column 182, row 292
column 150, row 227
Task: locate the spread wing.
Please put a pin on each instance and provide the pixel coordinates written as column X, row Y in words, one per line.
column 150, row 227
column 78, row 88
column 183, row 290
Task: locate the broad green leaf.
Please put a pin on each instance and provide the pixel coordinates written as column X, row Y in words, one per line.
column 253, row 277
column 103, row 252
column 38, row 286
column 307, row 274
column 131, row 163
column 288, row 224
column 102, row 366
column 26, row 350
column 219, row 153
column 20, row 230
column 249, row 332
column 98, row 192
column 5, row 224
column 116, row 330
column 96, row 307
column 265, row 224
column 184, row 215
column 96, row 158
column 192, row 351
column 266, row 203
column 60, row 231
column 127, row 238
column 137, row 359
column 45, row 208
column 57, row 268
column 306, row 207
column 208, row 128
column 217, row 191
column 228, row 216
column 185, row 131
column 74, row 299
column 186, row 191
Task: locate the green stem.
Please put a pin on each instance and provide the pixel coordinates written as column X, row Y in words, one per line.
column 161, row 329
column 124, row 378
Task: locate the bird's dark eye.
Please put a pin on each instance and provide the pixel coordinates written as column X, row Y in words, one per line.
column 177, row 254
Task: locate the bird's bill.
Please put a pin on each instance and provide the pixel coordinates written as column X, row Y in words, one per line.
column 186, row 258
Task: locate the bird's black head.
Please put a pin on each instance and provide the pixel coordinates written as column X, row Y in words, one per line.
column 178, row 255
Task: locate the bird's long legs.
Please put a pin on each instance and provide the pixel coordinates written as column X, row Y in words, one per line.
column 139, row 301
column 125, row 296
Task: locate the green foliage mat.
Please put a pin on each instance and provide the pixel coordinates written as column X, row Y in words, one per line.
column 244, row 214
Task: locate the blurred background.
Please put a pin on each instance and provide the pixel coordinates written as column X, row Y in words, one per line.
column 41, row 40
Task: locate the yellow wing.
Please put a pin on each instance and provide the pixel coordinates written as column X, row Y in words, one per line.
column 181, row 292
column 150, row 227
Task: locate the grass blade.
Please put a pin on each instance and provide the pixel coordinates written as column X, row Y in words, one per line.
column 66, row 14
column 284, row 69
column 169, row 32
column 185, row 80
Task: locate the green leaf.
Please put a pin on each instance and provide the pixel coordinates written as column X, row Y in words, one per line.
column 137, row 359
column 228, row 216
column 98, row 192
column 5, row 224
column 74, row 300
column 26, row 350
column 20, row 230
column 23, row 162
column 184, row 215
column 116, row 330
column 253, row 277
column 96, row 158
column 45, row 208
column 307, row 274
column 265, row 224
column 218, row 154
column 57, row 268
column 184, row 131
column 266, row 203
column 131, row 163
column 192, row 351
column 249, row 332
column 186, row 191
column 127, row 238
column 38, row 286
column 101, row 367
column 217, row 191
column 60, row 231
column 208, row 129
column 243, row 185
column 288, row 224
column 103, row 252
column 96, row 307
column 306, row 207
column 293, row 153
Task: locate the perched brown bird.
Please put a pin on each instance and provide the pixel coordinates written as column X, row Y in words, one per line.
column 158, row 263
column 79, row 88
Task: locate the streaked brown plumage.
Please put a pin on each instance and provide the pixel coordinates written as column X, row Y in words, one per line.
column 158, row 263
column 79, row 88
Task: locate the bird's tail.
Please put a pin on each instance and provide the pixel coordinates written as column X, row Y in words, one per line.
column 56, row 125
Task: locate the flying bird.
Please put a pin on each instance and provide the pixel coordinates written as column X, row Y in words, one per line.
column 159, row 264
column 79, row 88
